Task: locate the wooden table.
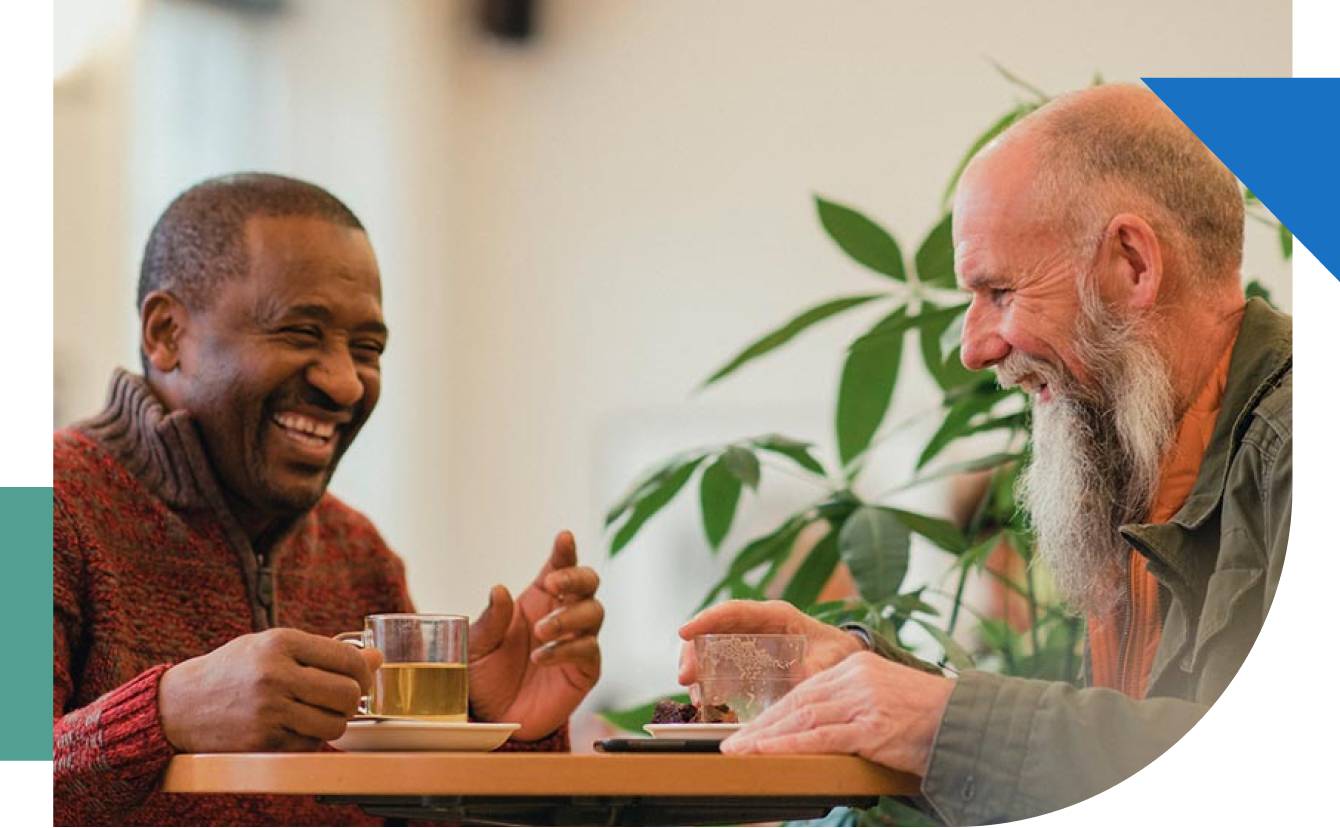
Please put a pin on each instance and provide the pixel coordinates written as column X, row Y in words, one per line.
column 553, row 789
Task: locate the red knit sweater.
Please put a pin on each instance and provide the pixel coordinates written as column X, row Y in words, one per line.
column 150, row 569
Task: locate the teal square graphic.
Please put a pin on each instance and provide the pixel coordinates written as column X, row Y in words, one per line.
column 25, row 514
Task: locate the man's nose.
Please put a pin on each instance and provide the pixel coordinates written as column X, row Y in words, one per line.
column 336, row 376
column 981, row 343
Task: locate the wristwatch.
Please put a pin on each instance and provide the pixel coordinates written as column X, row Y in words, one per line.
column 863, row 634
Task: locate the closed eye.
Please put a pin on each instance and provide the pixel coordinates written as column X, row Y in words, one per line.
column 302, row 332
column 370, row 348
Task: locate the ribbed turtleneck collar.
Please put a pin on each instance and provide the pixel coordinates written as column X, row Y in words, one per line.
column 160, row 448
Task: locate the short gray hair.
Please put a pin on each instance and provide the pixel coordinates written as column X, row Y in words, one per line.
column 1101, row 154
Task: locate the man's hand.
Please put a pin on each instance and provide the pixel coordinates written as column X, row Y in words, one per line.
column 825, row 645
column 281, row 689
column 865, row 706
column 534, row 660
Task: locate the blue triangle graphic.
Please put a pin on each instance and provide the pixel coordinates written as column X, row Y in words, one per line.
column 1280, row 137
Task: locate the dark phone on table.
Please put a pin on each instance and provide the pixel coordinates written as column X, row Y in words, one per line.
column 658, row 746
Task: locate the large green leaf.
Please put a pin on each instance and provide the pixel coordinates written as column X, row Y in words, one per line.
column 862, row 239
column 868, row 379
column 743, row 464
column 935, row 257
column 956, row 422
column 943, row 362
column 874, row 545
column 976, row 557
column 997, row 128
column 813, row 573
column 834, row 612
column 653, row 502
column 1016, row 421
column 977, row 464
column 997, row 635
column 952, row 336
column 1286, row 242
column 718, row 494
column 939, row 531
column 779, row 337
column 911, row 602
column 892, row 328
column 794, row 449
column 633, row 718
column 957, row 657
column 652, row 480
column 1255, row 288
column 771, row 548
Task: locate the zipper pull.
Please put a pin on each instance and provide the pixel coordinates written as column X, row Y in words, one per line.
column 265, row 589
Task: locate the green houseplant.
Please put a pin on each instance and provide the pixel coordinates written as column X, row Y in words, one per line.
column 849, row 524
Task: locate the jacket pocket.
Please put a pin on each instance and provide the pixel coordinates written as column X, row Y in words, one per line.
column 1227, row 600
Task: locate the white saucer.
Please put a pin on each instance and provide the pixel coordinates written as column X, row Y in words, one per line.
column 365, row 735
column 715, row 732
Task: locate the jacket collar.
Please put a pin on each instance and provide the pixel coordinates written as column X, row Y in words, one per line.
column 1262, row 356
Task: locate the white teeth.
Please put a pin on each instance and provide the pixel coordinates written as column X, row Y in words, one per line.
column 306, row 425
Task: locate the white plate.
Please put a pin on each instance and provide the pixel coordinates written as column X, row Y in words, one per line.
column 401, row 735
column 691, row 731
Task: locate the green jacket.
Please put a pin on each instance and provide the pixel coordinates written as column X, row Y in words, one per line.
column 1011, row 748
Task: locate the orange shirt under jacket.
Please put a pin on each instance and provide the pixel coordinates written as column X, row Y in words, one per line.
column 1123, row 643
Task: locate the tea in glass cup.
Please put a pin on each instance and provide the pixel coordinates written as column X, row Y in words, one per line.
column 425, row 670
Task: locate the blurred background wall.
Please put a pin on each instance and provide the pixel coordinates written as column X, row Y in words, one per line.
column 575, row 229
column 26, row 152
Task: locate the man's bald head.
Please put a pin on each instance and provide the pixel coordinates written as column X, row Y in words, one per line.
column 1117, row 148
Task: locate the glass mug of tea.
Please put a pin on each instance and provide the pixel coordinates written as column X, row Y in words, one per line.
column 424, row 674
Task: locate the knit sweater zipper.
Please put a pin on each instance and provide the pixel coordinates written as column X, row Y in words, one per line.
column 265, row 588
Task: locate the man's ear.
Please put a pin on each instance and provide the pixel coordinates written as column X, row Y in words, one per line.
column 1133, row 248
column 163, row 319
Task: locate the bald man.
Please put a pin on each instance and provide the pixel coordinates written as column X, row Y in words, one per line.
column 1102, row 246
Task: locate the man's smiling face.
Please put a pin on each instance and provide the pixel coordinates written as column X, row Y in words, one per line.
column 282, row 367
column 1022, row 277
column 1102, row 400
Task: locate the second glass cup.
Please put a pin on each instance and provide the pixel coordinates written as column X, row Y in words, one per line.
column 748, row 672
column 425, row 672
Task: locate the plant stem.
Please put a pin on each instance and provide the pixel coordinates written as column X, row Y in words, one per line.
column 1071, row 629
column 1032, row 610
column 824, row 482
column 1267, row 222
column 885, row 434
column 973, row 528
column 958, row 599
column 942, row 593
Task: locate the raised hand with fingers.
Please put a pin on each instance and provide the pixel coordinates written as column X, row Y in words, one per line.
column 534, row 659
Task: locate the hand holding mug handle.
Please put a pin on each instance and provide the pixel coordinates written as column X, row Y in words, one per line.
column 359, row 639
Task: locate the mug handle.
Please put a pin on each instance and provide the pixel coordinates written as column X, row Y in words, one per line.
column 357, row 639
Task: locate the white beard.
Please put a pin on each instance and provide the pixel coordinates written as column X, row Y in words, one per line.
column 1097, row 456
